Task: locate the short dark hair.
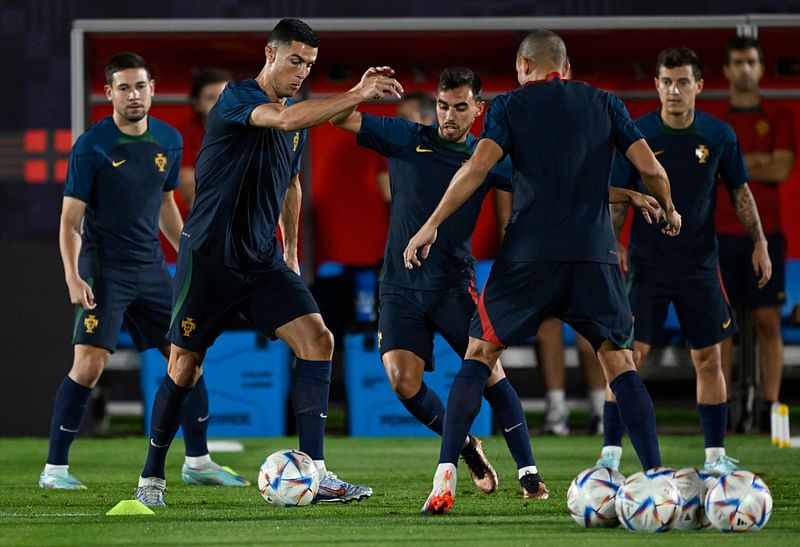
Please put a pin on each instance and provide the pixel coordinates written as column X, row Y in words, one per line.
column 293, row 30
column 451, row 78
column 741, row 43
column 674, row 57
column 427, row 104
column 206, row 77
column 543, row 46
column 122, row 61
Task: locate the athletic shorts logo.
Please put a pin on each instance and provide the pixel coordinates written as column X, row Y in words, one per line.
column 727, row 323
column 295, row 141
column 380, row 339
column 117, row 163
column 701, row 152
column 420, row 149
column 187, row 326
column 161, row 162
column 90, row 323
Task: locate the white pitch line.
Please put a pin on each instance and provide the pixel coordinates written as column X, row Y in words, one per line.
column 48, row 514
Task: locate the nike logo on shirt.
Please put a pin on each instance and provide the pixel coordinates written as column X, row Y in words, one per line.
column 117, row 163
column 420, row 149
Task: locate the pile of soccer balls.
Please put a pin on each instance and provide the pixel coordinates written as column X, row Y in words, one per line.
column 660, row 499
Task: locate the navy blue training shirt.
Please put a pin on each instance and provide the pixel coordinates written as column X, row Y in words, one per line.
column 694, row 158
column 560, row 136
column 242, row 175
column 421, row 165
column 122, row 178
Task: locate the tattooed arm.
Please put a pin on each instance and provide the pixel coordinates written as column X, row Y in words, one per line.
column 746, row 210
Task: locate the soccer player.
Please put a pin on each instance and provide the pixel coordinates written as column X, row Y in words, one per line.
column 767, row 137
column 230, row 261
column 558, row 257
column 696, row 150
column 414, row 305
column 122, row 173
column 207, row 86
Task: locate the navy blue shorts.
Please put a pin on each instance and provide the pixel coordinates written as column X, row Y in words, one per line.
column 140, row 298
column 701, row 305
column 588, row 296
column 741, row 282
column 208, row 296
column 408, row 319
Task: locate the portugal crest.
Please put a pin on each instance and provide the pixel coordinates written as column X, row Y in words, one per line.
column 187, row 326
column 295, row 141
column 701, row 152
column 90, row 323
column 161, row 162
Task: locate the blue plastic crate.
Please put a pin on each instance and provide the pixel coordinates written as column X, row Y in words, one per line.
column 247, row 382
column 373, row 408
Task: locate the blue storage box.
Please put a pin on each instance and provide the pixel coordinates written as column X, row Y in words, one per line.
column 373, row 408
column 247, row 378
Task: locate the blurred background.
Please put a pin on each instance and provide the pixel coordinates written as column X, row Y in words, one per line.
column 53, row 53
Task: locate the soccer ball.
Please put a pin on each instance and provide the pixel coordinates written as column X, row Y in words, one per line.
column 692, row 485
column 739, row 502
column 590, row 498
column 288, row 478
column 648, row 501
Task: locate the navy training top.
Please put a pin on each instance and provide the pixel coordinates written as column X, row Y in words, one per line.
column 242, row 174
column 694, row 158
column 421, row 165
column 122, row 178
column 560, row 136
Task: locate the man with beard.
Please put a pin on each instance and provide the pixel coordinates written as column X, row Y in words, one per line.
column 766, row 135
column 122, row 173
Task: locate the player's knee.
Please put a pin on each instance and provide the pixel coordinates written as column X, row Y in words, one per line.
column 317, row 345
column 184, row 366
column 88, row 365
column 708, row 365
column 768, row 327
column 404, row 382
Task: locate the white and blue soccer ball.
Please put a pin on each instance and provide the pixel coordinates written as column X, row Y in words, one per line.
column 591, row 495
column 288, row 478
column 648, row 501
column 739, row 502
column 692, row 485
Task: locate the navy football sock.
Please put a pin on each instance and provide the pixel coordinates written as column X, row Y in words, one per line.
column 714, row 419
column 68, row 410
column 195, row 420
column 428, row 408
column 311, row 385
column 163, row 425
column 509, row 415
column 613, row 428
column 638, row 415
column 464, row 403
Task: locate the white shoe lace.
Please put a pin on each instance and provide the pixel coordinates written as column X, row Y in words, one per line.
column 150, row 494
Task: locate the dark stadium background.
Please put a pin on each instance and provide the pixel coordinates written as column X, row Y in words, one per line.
column 35, row 137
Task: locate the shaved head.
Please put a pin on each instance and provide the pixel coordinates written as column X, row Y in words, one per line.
column 544, row 47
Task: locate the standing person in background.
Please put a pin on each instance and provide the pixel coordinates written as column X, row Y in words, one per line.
column 206, row 89
column 698, row 151
column 767, row 137
column 122, row 173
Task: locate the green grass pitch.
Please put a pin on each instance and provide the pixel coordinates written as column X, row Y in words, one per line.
column 399, row 470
